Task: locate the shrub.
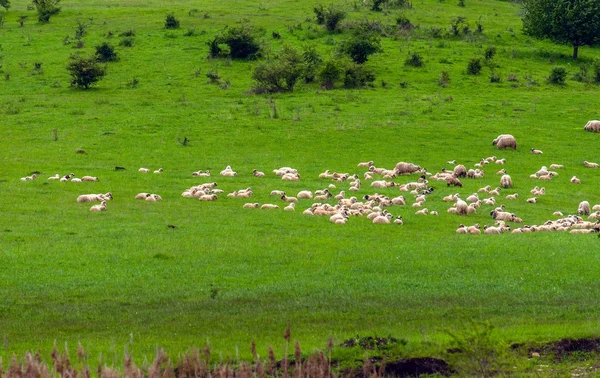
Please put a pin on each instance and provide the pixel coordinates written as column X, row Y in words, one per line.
column 81, row 30
column 279, row 75
column 85, row 71
column 458, row 24
column 239, row 42
column 512, row 77
column 583, row 76
column 106, row 53
column 558, row 75
column 330, row 16
column 404, row 23
column 495, row 78
column 360, row 46
column 358, row 76
column 46, row 9
column 376, row 5
column 474, row 66
column 330, row 74
column 127, row 33
column 171, row 22
column 444, row 79
column 490, row 52
column 312, row 62
column 596, row 71
column 213, row 76
column 414, row 60
column 461, row 3
column 126, row 42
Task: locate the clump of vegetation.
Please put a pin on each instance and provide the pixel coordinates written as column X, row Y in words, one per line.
column 279, row 75
column 404, row 23
column 414, row 60
column 85, row 72
column 312, row 62
column 459, row 25
column 106, row 53
column 444, row 79
column 171, row 22
column 127, row 33
column 358, row 76
column 495, row 78
column 81, row 29
column 46, row 9
column 330, row 73
column 330, row 16
column 596, row 71
column 5, row 4
column 558, row 75
column 361, row 45
column 490, row 52
column 474, row 66
column 240, row 42
column 126, row 42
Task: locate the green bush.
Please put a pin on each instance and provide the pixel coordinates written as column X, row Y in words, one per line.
column 596, row 71
column 358, row 76
column 330, row 73
column 171, row 22
column 312, row 62
column 46, row 9
column 558, row 75
column 474, row 66
column 444, row 79
column 106, row 53
column 414, row 60
column 490, row 52
column 240, row 42
column 360, row 46
column 495, row 78
column 279, row 75
column 85, row 71
column 330, row 16
column 126, row 42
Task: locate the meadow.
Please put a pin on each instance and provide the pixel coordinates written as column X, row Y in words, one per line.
column 124, row 280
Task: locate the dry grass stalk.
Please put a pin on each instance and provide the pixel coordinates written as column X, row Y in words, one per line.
column 298, row 361
column 272, row 363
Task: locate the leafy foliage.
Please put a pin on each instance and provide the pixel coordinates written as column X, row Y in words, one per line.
column 570, row 22
column 85, row 71
column 558, row 75
column 46, row 9
column 414, row 60
column 279, row 75
column 330, row 16
column 171, row 22
column 474, row 66
column 358, row 76
column 330, row 73
column 361, row 45
column 5, row 4
column 106, row 53
column 312, row 62
column 239, row 42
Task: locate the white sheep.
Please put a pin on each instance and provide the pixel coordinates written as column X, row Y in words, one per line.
column 258, row 173
column 100, row 207
column 382, row 219
column 461, row 207
column 584, row 208
column 304, row 194
column 67, row 177
column 208, row 197
column 290, row 177
column 143, row 170
column 593, row 126
column 399, row 220
column 269, row 206
column 290, row 207
column 590, row 164
column 557, row 166
column 506, row 181
column 532, row 200
column 55, row 177
column 29, row 178
column 536, row 152
column 158, row 171
column 575, row 180
column 251, row 206
column 76, row 180
column 512, row 196
column 289, row 199
column 366, row 164
column 596, row 207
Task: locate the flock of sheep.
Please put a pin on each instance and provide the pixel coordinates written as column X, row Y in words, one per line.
column 342, row 206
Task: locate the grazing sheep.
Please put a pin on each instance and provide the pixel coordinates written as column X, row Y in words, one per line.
column 475, row 173
column 460, row 171
column 557, row 166
column 55, row 177
column 290, row 207
column 590, row 164
column 536, row 152
column 451, row 180
column 593, row 126
column 575, row 180
column 143, row 170
column 506, row 181
column 258, row 173
column 158, row 171
column 462, row 207
column 584, row 208
column 502, row 215
column 505, row 141
column 100, row 207
column 512, row 196
column 403, row 168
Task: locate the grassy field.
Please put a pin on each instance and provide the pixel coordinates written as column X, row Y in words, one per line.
column 124, row 280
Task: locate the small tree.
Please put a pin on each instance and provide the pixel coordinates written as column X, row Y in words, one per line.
column 330, row 16
column 569, row 22
column 358, row 76
column 239, row 42
column 106, row 53
column 85, row 71
column 558, row 75
column 46, row 9
column 312, row 62
column 414, row 60
column 361, row 45
column 5, row 4
column 171, row 22
column 330, row 74
column 279, row 75
column 474, row 66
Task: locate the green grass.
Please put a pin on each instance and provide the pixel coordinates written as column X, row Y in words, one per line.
column 122, row 279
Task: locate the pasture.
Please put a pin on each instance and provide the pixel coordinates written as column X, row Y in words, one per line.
column 122, row 279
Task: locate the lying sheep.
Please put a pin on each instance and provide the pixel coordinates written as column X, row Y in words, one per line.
column 258, row 173
column 94, row 197
column 159, row 170
column 143, row 170
column 366, row 164
column 575, row 180
column 89, row 178
column 269, row 206
column 536, row 152
column 593, row 126
column 557, row 166
column 67, row 177
column 29, row 178
column 505, row 141
column 208, row 197
column 584, row 208
column 290, row 207
column 141, row 196
column 55, row 177
column 153, row 198
column 100, row 207
column 304, row 194
column 289, row 199
column 250, row 206
column 512, row 196
column 596, row 207
column 590, row 164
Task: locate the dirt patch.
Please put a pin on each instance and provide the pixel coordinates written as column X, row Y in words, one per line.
column 563, row 347
column 415, row 367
